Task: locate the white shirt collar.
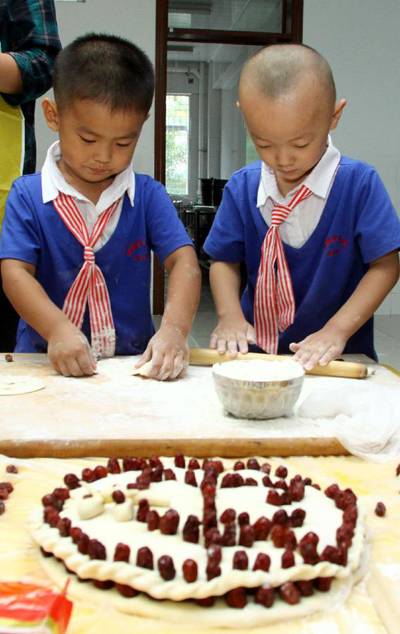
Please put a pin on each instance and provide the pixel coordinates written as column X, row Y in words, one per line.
column 319, row 180
column 53, row 182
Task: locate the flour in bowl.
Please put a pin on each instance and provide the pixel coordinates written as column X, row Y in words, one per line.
column 258, row 370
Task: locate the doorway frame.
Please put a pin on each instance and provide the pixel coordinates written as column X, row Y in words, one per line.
column 290, row 8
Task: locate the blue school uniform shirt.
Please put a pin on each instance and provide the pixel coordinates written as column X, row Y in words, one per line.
column 359, row 224
column 34, row 232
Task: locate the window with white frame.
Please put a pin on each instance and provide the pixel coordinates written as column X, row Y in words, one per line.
column 177, row 144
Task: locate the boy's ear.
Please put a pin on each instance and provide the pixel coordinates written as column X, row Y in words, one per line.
column 337, row 113
column 50, row 112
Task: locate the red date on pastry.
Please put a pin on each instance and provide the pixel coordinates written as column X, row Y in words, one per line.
column 323, row 584
column 122, row 552
column 240, row 560
column 166, row 567
column 72, row 481
column 144, row 558
column 290, row 593
column 189, row 569
column 265, row 595
column 253, row 463
column 118, row 497
column 169, row 522
column 380, row 509
column 261, row 528
column 113, row 466
column 281, row 472
column 288, row 559
column 153, row 520
column 126, row 591
column 228, row 516
column 262, row 562
column 306, row 587
column 236, row 598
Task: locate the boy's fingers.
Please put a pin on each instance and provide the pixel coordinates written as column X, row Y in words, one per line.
column 314, row 357
column 87, row 363
column 329, row 355
column 294, row 347
column 232, row 347
column 63, row 368
column 242, row 345
column 56, row 366
column 157, row 361
column 221, row 345
column 166, row 369
column 250, row 334
column 74, row 367
column 179, row 367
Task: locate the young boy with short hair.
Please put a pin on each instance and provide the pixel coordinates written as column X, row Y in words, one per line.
column 78, row 236
column 316, row 230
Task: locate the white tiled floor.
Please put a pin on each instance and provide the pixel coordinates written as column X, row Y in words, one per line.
column 387, row 329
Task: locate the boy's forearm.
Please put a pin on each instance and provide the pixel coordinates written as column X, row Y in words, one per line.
column 225, row 286
column 369, row 294
column 30, row 300
column 183, row 296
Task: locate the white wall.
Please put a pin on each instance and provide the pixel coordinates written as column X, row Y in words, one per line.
column 360, row 39
column 132, row 19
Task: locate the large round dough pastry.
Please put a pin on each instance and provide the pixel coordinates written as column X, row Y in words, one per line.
column 12, row 385
column 227, row 544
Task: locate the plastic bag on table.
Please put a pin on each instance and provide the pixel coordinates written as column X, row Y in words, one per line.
column 365, row 419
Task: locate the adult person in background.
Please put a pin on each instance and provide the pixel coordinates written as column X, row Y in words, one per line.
column 29, row 44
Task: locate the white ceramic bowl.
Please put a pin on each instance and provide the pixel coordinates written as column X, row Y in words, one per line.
column 258, row 389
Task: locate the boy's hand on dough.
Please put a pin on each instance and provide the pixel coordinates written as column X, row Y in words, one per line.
column 69, row 351
column 168, row 352
column 321, row 347
column 232, row 335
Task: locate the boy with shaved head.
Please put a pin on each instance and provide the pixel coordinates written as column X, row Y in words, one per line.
column 316, row 230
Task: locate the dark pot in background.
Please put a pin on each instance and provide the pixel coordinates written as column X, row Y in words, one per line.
column 211, row 190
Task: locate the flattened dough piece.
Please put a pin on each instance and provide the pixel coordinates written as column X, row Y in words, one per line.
column 11, row 385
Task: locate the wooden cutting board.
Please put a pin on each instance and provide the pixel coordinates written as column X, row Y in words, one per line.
column 115, row 414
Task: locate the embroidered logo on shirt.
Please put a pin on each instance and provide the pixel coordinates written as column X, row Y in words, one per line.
column 137, row 245
column 335, row 244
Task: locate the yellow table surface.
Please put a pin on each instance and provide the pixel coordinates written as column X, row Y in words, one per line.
column 20, row 559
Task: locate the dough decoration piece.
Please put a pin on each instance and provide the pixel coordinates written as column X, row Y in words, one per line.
column 123, row 512
column 234, row 534
column 90, row 506
column 14, row 385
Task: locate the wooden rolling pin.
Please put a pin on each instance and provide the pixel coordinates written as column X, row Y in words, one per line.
column 344, row 369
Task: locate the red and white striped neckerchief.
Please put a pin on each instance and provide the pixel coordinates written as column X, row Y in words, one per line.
column 274, row 304
column 89, row 285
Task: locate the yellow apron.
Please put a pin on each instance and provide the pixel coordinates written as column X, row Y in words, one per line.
column 11, row 149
